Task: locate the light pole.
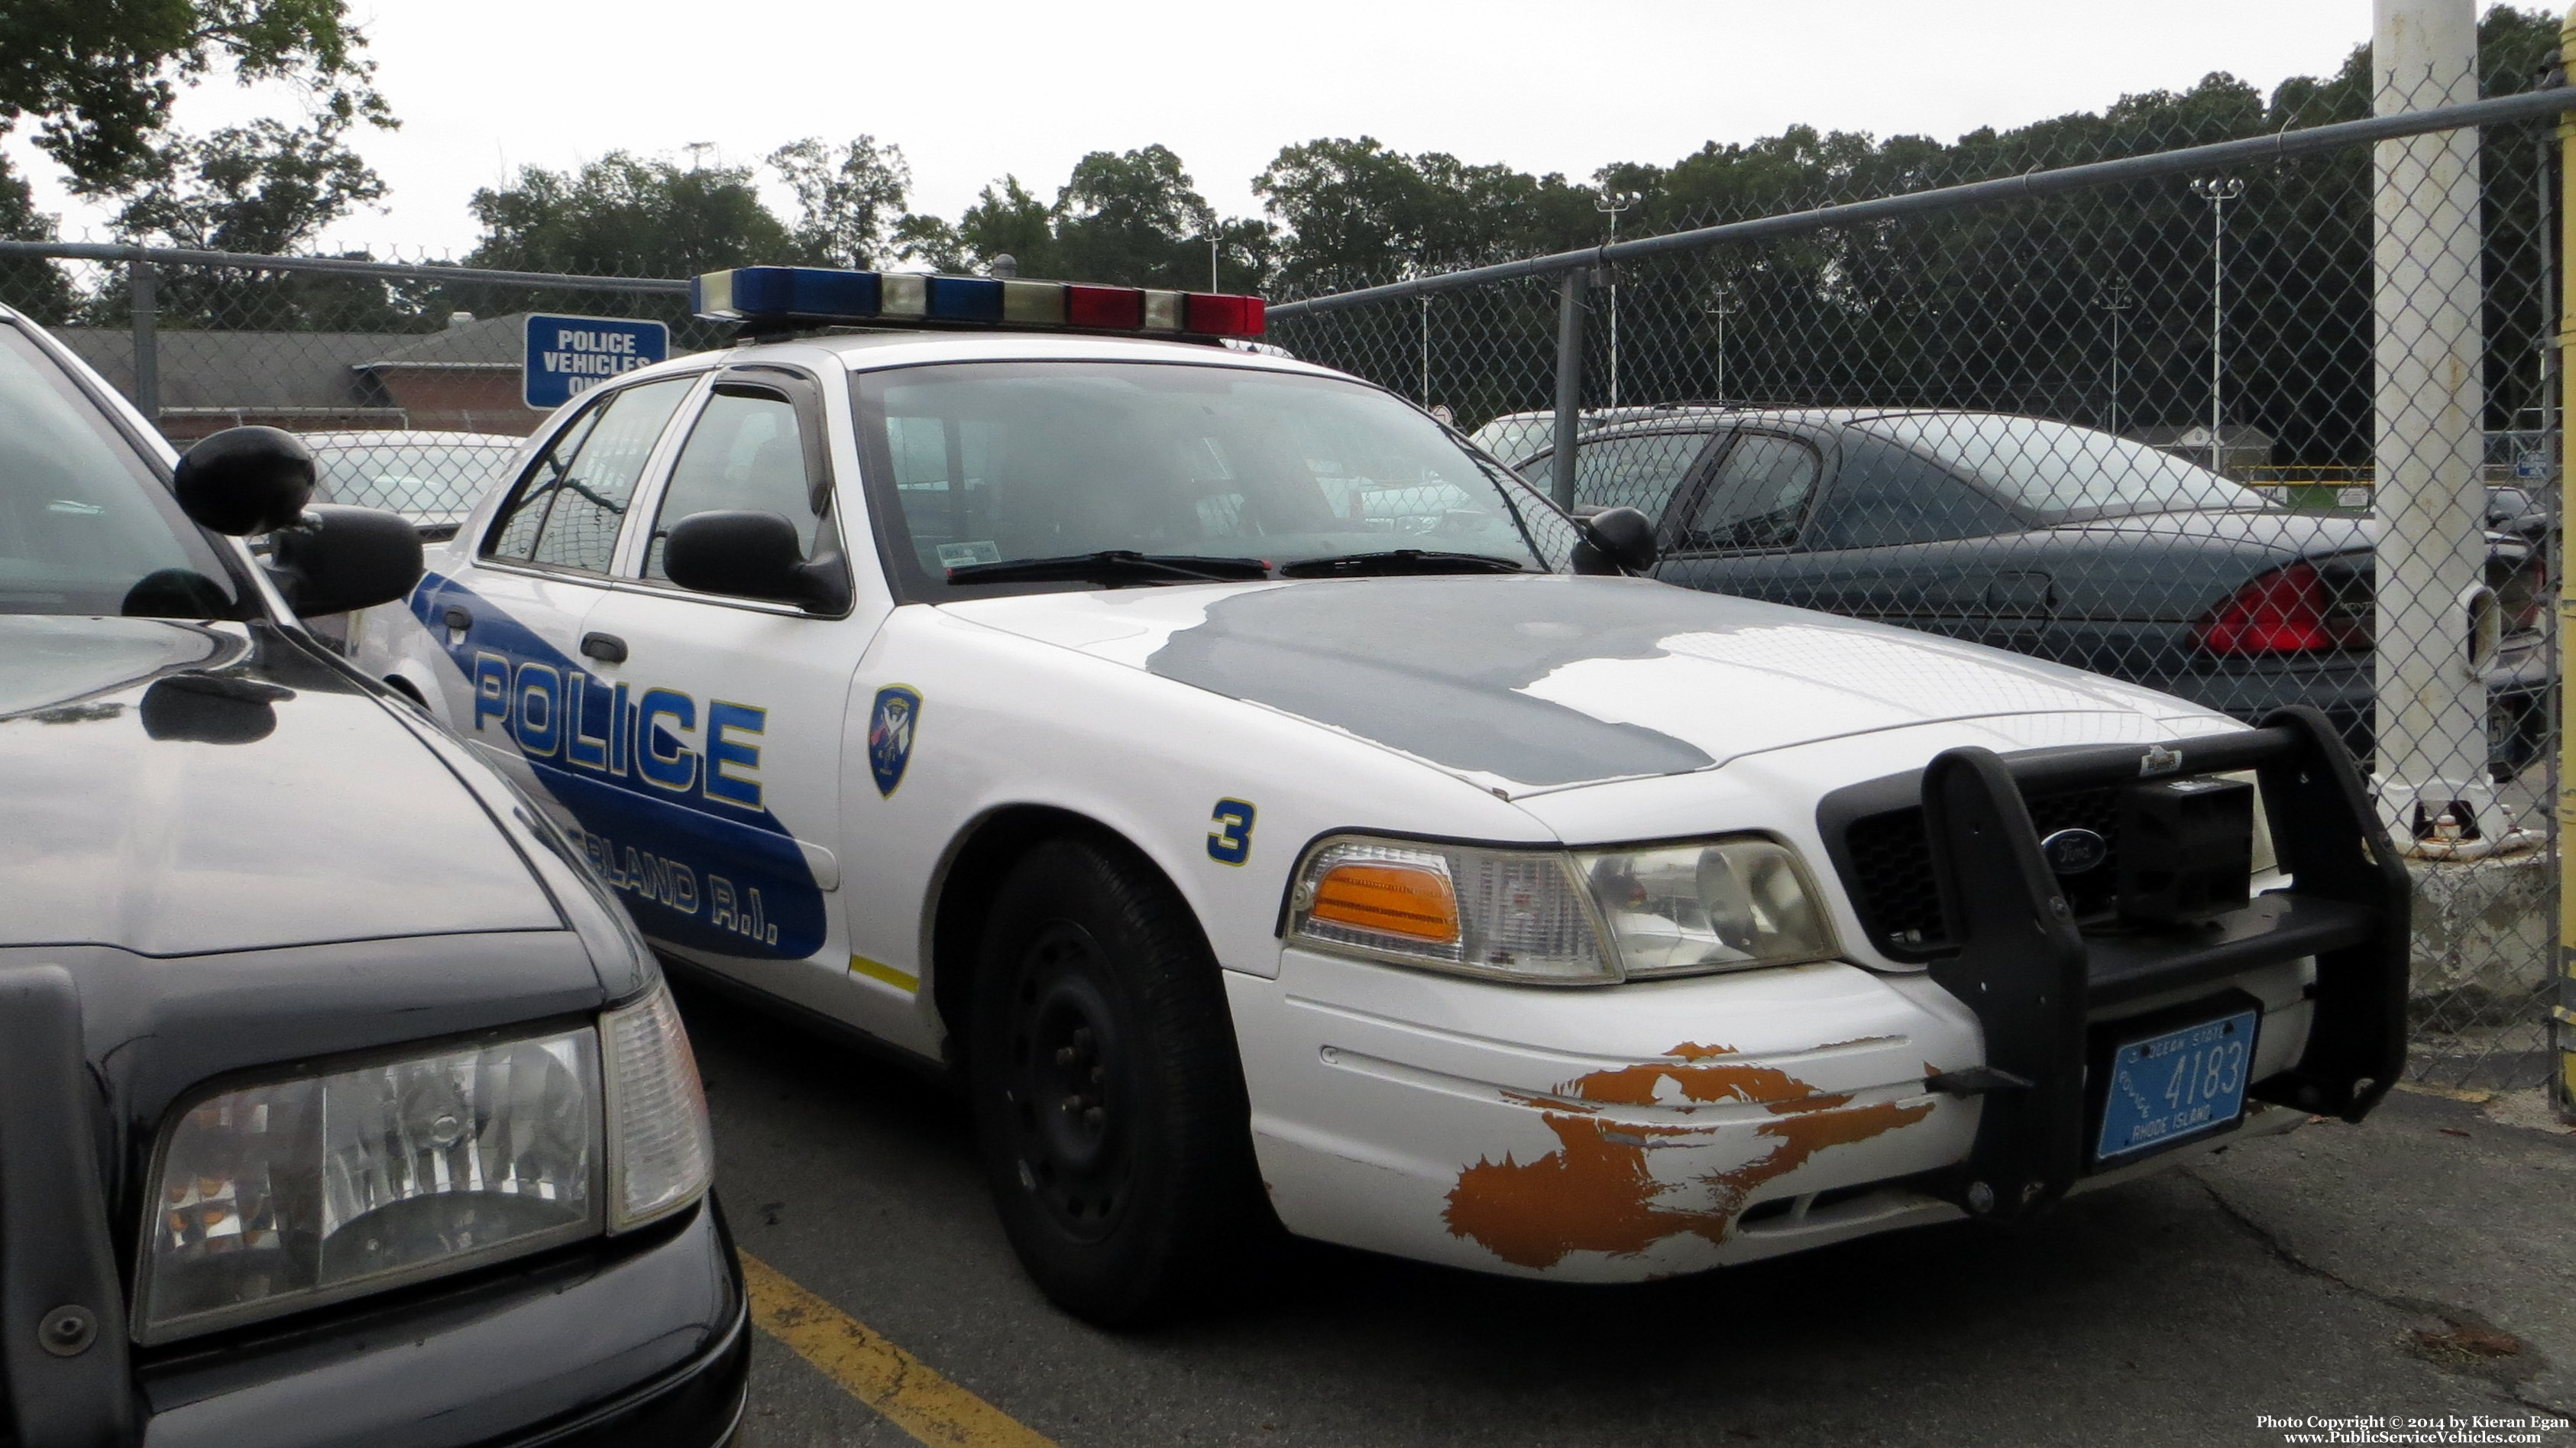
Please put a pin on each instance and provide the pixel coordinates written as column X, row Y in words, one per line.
column 1720, row 310
column 1610, row 205
column 1212, row 286
column 2116, row 300
column 2217, row 191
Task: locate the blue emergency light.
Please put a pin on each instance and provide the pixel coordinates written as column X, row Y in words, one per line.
column 821, row 296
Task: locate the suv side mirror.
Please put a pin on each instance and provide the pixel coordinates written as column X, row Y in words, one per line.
column 339, row 559
column 246, row 480
column 1616, row 540
column 749, row 553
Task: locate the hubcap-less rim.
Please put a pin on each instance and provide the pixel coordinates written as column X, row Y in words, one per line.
column 1067, row 1100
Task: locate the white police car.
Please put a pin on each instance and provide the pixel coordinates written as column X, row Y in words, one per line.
column 1256, row 793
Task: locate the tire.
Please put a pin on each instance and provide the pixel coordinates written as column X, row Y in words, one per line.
column 1109, row 1101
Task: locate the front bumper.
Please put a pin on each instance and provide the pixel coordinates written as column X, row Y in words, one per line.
column 639, row 1347
column 1631, row 1132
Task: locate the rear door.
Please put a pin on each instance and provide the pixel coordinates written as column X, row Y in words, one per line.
column 1734, row 531
column 1899, row 538
column 519, row 690
column 726, row 842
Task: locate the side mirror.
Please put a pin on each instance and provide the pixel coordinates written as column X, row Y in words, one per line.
column 339, row 559
column 246, row 480
column 1616, row 540
column 750, row 554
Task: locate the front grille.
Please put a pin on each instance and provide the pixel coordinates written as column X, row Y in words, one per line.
column 1889, row 869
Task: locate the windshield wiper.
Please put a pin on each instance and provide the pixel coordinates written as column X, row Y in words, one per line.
column 1398, row 560
column 1112, row 566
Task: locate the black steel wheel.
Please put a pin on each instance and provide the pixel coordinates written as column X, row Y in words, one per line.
column 1108, row 1097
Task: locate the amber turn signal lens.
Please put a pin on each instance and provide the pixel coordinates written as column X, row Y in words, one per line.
column 1404, row 900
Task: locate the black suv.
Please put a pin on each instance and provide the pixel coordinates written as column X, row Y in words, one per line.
column 338, row 1104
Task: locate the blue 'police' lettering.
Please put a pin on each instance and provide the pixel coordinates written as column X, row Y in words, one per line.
column 740, row 718
column 539, row 711
column 674, row 768
column 582, row 750
column 491, row 689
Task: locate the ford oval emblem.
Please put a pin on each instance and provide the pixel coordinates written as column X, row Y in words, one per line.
column 2072, row 852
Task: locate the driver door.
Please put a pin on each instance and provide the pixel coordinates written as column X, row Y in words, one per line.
column 734, row 707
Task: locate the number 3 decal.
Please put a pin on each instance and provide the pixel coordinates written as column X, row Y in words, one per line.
column 1231, row 842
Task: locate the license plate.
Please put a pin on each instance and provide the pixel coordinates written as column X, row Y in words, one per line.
column 2178, row 1084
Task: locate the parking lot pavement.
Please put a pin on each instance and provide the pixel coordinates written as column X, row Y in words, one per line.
column 2421, row 1264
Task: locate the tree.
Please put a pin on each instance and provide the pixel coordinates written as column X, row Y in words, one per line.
column 851, row 200
column 1355, row 213
column 265, row 188
column 1132, row 218
column 101, row 76
column 626, row 215
column 31, row 284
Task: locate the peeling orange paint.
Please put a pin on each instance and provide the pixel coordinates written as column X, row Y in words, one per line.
column 1595, row 1193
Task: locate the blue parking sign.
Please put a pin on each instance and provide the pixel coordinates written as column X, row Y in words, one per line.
column 568, row 356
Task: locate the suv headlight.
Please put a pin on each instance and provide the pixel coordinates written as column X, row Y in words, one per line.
column 280, row 1196
column 1563, row 917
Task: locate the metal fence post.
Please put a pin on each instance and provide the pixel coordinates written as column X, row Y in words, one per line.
column 142, row 282
column 2430, row 404
column 2564, row 1026
column 1569, row 380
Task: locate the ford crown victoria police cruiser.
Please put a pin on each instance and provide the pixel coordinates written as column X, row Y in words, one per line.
column 1259, row 796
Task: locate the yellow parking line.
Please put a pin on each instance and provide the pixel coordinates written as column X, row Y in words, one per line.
column 909, row 1392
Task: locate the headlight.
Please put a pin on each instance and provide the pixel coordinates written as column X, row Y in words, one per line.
column 276, row 1197
column 1562, row 917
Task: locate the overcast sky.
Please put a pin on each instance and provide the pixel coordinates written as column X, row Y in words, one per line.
column 971, row 91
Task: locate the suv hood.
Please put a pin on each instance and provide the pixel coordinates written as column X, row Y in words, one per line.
column 176, row 789
column 1522, row 684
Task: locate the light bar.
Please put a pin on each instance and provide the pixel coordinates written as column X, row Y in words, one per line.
column 817, row 295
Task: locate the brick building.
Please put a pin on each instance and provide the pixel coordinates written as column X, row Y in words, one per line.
column 462, row 379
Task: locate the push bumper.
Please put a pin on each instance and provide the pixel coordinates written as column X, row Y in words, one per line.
column 637, row 1347
column 2037, row 981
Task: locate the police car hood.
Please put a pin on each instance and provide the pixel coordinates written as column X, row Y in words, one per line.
column 1531, row 683
column 176, row 789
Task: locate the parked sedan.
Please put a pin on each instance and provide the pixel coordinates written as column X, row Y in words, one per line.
column 430, row 478
column 2045, row 538
column 339, row 1102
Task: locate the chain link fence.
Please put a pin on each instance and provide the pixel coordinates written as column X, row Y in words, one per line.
column 404, row 376
column 2257, row 410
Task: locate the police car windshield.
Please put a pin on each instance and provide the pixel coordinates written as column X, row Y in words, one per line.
column 85, row 526
column 991, row 463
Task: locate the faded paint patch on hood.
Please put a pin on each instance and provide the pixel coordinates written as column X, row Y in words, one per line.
column 1519, row 684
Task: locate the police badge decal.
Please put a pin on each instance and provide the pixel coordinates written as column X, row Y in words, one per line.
column 890, row 727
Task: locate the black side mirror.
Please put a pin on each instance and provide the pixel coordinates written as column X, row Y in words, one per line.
column 340, row 558
column 751, row 554
column 246, row 480
column 1616, row 540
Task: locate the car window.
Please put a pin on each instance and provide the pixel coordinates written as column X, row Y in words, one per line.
column 1632, row 472
column 569, row 507
column 745, row 451
column 86, row 526
column 998, row 462
column 1756, row 497
column 1887, row 495
column 2060, row 471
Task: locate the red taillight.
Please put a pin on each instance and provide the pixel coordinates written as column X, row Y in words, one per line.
column 2287, row 611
